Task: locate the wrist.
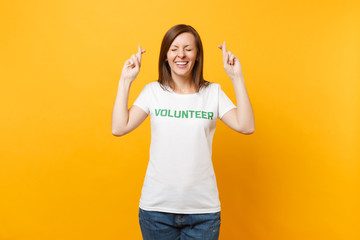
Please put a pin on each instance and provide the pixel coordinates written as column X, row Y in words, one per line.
column 126, row 81
column 239, row 77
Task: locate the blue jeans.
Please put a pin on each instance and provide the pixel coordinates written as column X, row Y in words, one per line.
column 172, row 226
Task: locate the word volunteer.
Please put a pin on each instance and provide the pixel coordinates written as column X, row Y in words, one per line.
column 183, row 113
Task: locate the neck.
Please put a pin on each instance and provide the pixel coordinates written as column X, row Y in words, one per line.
column 184, row 84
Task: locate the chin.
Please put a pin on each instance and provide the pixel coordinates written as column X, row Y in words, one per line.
column 183, row 73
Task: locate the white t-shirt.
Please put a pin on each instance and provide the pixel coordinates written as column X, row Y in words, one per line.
column 180, row 176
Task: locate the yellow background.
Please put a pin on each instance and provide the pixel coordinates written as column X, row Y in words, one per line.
column 64, row 176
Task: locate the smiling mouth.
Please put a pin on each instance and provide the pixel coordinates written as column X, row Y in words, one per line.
column 181, row 63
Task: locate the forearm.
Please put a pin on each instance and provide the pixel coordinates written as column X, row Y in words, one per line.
column 245, row 113
column 120, row 114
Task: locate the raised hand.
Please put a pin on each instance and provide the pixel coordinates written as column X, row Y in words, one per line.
column 231, row 63
column 132, row 66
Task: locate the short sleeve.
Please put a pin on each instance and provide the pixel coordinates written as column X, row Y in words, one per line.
column 225, row 104
column 143, row 100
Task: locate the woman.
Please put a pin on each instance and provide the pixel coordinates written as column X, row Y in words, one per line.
column 179, row 198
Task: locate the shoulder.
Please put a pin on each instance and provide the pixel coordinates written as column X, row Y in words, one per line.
column 156, row 87
column 209, row 85
column 151, row 86
column 212, row 86
column 217, row 87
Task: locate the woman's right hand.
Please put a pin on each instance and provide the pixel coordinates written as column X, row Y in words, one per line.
column 132, row 66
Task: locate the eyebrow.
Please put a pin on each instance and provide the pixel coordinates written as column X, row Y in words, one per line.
column 189, row 45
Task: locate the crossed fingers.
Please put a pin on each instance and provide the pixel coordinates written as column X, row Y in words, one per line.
column 228, row 57
column 135, row 59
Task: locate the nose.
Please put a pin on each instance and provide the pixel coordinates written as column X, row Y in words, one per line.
column 181, row 53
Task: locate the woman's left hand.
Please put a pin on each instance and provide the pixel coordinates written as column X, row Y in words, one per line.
column 231, row 63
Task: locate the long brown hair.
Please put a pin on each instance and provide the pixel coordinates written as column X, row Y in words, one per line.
column 164, row 68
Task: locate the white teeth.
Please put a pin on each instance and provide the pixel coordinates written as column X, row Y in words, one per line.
column 181, row 63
